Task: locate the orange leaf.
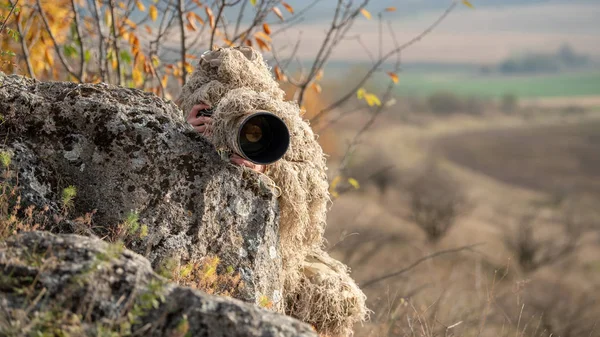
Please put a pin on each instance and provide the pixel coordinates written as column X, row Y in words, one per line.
column 394, row 76
column 390, row 9
column 164, row 80
column 228, row 42
column 148, row 29
column 365, row 13
column 319, row 75
column 248, row 43
column 190, row 26
column 316, row 87
column 130, row 23
column 122, row 5
column 262, row 44
column 153, row 12
column 266, row 28
column 262, row 36
column 279, row 75
column 197, row 17
column 190, row 56
column 197, row 2
column 288, row 7
column 277, row 12
column 211, row 17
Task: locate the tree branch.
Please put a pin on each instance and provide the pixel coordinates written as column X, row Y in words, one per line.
column 79, row 41
column 54, row 43
column 416, row 263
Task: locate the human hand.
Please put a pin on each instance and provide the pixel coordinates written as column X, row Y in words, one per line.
column 237, row 160
column 202, row 124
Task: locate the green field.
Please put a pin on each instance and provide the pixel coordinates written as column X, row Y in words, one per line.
column 555, row 85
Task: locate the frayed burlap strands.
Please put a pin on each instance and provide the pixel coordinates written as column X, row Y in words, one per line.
column 222, row 70
column 326, row 297
column 317, row 288
column 300, row 175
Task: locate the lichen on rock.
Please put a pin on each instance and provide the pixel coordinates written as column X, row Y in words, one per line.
column 130, row 152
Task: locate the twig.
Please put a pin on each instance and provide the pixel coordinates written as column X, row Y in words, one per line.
column 23, row 43
column 102, row 62
column 416, row 263
column 12, row 9
column 182, row 34
column 111, row 6
column 381, row 61
column 79, row 40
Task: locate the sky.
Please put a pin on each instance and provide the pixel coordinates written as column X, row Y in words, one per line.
column 494, row 30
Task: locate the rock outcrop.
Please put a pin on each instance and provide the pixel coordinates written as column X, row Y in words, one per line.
column 129, row 152
column 70, row 285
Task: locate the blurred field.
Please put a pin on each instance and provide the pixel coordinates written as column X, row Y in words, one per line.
column 470, row 83
column 507, row 165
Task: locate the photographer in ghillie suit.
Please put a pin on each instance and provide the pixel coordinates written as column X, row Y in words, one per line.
column 236, row 81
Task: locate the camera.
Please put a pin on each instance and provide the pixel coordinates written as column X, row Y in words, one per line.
column 262, row 137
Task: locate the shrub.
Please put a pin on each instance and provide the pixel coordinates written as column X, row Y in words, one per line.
column 437, row 199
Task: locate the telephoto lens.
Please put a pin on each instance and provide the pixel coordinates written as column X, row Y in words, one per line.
column 263, row 138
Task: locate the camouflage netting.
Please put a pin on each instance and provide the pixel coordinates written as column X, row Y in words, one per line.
column 318, row 289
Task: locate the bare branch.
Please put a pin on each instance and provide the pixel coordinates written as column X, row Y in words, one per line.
column 22, row 41
column 183, row 51
column 381, row 61
column 111, row 6
column 418, row 262
column 79, row 41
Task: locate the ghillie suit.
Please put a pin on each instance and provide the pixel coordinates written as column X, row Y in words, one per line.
column 317, row 288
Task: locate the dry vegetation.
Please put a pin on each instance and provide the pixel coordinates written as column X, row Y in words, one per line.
column 498, row 238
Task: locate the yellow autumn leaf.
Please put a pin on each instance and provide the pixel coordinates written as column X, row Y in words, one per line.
column 360, row 93
column 130, row 23
column 467, row 3
column 137, row 77
column 394, row 76
column 354, row 183
column 253, row 2
column 365, row 13
column 333, row 185
column 372, row 99
column 140, row 6
column 153, row 12
column 121, row 5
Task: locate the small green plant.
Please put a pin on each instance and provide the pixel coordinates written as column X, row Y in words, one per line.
column 131, row 223
column 68, row 196
column 5, row 159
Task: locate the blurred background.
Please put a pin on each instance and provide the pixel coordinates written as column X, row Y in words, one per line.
column 463, row 136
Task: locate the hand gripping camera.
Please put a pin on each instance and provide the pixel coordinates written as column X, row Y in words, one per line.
column 262, row 137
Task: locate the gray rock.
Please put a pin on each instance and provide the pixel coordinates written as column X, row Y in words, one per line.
column 129, row 151
column 83, row 286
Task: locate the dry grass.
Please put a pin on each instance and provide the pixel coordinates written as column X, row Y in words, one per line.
column 487, row 291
